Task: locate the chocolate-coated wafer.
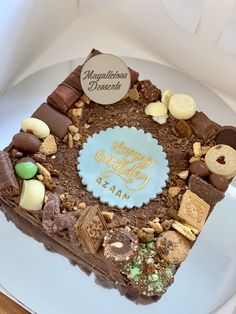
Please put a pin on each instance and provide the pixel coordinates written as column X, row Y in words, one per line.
column 8, row 183
column 57, row 121
column 203, row 127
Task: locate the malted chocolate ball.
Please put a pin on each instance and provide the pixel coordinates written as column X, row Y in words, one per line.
column 199, row 168
column 218, row 181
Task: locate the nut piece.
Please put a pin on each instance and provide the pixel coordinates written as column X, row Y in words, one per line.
column 49, row 146
column 76, row 137
column 79, row 104
column 185, row 231
column 173, row 191
column 73, row 129
column 156, row 226
column 183, row 174
column 148, row 230
column 77, row 112
column 133, row 94
column 70, row 141
column 193, row 159
column 108, row 216
column 205, row 149
column 85, row 99
column 197, row 150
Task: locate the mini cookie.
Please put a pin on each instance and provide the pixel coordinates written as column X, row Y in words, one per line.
column 172, row 247
column 120, row 245
column 221, row 159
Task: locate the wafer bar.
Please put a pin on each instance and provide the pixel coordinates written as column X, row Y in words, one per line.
column 8, row 183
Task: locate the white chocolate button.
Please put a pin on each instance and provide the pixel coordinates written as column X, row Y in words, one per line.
column 156, row 109
column 165, row 98
column 36, row 127
column 182, row 107
column 32, row 195
column 161, row 120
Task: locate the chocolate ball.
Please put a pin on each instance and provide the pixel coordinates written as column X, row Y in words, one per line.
column 199, row 168
column 219, row 182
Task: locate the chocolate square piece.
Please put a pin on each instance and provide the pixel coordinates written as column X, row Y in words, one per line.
column 90, row 229
column 193, row 209
column 205, row 190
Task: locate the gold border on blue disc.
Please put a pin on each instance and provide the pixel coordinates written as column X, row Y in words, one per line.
column 123, row 167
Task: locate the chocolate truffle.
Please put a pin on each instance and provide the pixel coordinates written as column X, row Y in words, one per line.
column 199, row 168
column 218, row 181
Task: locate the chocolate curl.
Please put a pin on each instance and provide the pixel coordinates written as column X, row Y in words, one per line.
column 203, row 127
column 8, row 183
column 57, row 122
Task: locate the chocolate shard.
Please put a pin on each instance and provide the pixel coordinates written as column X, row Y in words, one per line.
column 8, row 183
column 90, row 229
column 63, row 97
column 205, row 190
column 57, row 122
column 203, row 127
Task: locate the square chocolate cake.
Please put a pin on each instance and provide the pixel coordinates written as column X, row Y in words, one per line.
column 117, row 176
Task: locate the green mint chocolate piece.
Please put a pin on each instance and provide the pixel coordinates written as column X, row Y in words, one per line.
column 26, row 170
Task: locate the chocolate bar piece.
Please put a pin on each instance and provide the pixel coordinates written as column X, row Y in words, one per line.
column 56, row 121
column 91, row 228
column 8, row 183
column 203, row 127
column 63, row 97
column 205, row 190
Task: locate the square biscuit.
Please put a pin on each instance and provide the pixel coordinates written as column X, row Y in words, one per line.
column 90, row 229
column 193, row 210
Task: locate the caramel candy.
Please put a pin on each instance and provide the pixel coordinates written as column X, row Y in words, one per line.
column 203, row 127
column 203, row 189
column 8, row 183
column 220, row 182
column 90, row 229
column 57, row 122
column 199, row 168
column 26, row 142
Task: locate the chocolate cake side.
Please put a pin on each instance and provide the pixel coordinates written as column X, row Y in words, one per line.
column 136, row 250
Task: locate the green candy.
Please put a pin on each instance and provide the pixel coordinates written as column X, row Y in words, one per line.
column 26, row 170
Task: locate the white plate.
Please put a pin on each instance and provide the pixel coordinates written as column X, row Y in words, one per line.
column 48, row 284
